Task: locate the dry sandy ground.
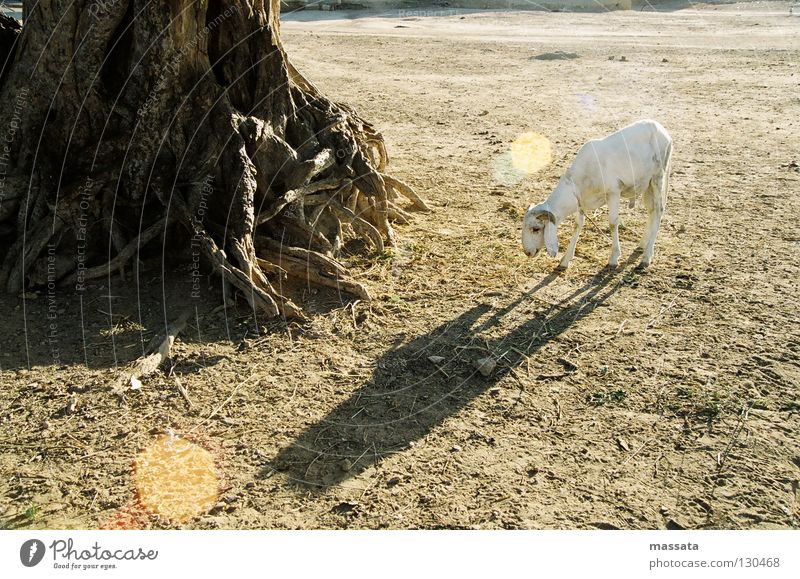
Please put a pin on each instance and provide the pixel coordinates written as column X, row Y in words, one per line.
column 621, row 399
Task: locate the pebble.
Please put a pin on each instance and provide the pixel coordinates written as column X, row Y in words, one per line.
column 486, row 366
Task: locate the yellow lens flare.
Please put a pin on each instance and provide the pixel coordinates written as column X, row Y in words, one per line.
column 530, row 152
column 176, row 479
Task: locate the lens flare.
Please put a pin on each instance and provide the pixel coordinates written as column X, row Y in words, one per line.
column 530, row 152
column 176, row 479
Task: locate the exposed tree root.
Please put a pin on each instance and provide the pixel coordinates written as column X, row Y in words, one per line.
column 407, row 191
column 123, row 257
column 359, row 224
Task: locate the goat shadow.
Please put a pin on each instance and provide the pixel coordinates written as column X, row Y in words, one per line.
column 408, row 395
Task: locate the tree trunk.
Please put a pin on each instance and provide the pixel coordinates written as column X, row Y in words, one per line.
column 125, row 119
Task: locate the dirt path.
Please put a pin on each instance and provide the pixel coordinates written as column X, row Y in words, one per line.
column 620, row 399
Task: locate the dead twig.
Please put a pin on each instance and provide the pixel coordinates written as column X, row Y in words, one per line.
column 156, row 352
column 182, row 391
column 743, row 416
column 636, row 452
column 228, row 399
column 661, row 311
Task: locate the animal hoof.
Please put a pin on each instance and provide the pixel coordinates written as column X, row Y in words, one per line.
column 562, row 266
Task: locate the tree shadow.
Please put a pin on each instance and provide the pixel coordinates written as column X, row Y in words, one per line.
column 409, row 395
column 111, row 322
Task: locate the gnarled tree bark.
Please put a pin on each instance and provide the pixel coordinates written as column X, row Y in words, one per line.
column 126, row 118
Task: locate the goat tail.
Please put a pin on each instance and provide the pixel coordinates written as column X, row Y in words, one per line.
column 667, row 168
column 659, row 185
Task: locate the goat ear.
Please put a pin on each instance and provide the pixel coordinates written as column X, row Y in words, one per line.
column 551, row 238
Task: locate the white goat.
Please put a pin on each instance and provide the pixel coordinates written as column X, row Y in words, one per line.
column 631, row 162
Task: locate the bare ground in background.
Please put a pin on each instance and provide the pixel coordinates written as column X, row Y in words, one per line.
column 621, row 399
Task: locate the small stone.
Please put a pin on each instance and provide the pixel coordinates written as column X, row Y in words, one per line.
column 486, row 366
column 568, row 366
column 674, row 525
column 436, row 359
column 344, row 507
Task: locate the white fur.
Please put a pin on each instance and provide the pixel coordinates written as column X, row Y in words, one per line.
column 635, row 161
